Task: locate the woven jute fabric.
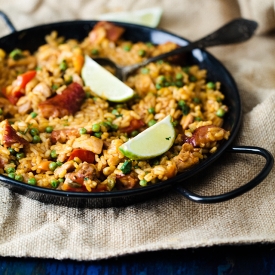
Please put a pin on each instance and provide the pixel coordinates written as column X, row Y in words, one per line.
column 34, row 229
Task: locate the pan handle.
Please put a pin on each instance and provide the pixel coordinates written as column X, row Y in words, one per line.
column 240, row 190
column 7, row 20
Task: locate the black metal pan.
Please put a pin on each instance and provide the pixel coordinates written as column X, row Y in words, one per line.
column 33, row 37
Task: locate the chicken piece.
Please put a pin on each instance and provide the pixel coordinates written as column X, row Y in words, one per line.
column 24, row 105
column 205, row 136
column 43, row 89
column 67, row 103
column 186, row 120
column 10, row 136
column 126, row 181
column 63, row 135
column 92, row 143
column 105, row 30
column 61, row 171
column 185, row 159
column 75, row 181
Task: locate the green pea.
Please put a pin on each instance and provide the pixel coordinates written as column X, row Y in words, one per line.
column 143, row 182
column 60, row 180
column 144, row 70
column 16, row 54
column 19, row 177
column 33, row 114
column 52, row 166
column 198, row 118
column 220, row 112
column 53, row 154
column 179, row 83
column 96, row 127
column 161, row 79
column 34, row 131
column 149, row 44
column 55, row 87
column 179, row 76
column 88, row 95
column 196, row 100
column 134, row 133
column 114, row 126
column 49, row 129
column 98, row 134
column 82, row 131
column 11, row 175
column 127, row 48
column 210, row 85
column 160, row 62
column 1, row 111
column 54, row 183
column 95, row 52
column 175, row 123
column 10, row 170
column 151, row 110
column 151, row 122
column 141, row 53
column 36, row 139
column 63, row 65
column 158, row 86
column 219, row 99
column 192, row 78
column 185, row 109
column 181, row 103
column 32, row 181
column 20, row 155
column 59, row 163
column 186, row 69
column 12, row 151
column 115, row 112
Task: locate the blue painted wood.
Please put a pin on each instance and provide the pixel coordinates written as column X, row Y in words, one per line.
column 246, row 260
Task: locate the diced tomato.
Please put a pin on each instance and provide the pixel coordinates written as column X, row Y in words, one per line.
column 135, row 124
column 84, row 155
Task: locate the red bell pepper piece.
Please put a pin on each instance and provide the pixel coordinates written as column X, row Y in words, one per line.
column 84, row 155
column 23, row 79
column 17, row 89
column 134, row 125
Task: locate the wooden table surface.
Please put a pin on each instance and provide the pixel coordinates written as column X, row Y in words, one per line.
column 221, row 260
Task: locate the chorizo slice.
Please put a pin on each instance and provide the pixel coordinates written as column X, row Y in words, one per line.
column 10, row 136
column 67, row 103
column 107, row 30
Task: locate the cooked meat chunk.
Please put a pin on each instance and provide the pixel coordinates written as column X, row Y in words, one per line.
column 63, row 135
column 105, row 30
column 204, row 136
column 10, row 136
column 68, row 103
column 127, row 181
column 185, row 158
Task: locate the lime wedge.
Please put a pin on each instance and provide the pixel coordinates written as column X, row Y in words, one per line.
column 103, row 83
column 152, row 142
column 148, row 17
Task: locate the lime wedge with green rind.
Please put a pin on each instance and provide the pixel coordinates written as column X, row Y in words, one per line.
column 103, row 83
column 152, row 142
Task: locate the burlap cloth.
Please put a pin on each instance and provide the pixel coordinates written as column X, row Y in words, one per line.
column 31, row 228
